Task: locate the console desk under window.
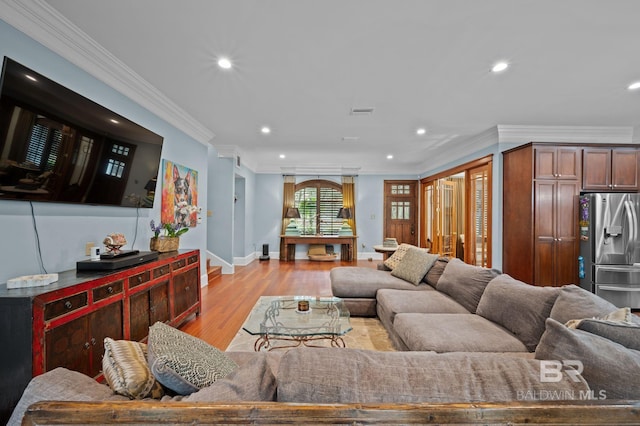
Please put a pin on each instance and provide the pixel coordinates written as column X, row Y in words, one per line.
column 347, row 243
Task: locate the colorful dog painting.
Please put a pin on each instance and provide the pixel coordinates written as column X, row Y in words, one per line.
column 179, row 194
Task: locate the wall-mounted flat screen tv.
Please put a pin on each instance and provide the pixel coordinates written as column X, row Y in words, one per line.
column 58, row 146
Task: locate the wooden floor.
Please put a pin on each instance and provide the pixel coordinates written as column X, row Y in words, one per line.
column 226, row 302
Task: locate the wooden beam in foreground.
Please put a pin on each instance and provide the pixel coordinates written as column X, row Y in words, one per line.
column 179, row 413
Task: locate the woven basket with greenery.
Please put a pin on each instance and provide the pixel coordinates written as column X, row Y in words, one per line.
column 164, row 244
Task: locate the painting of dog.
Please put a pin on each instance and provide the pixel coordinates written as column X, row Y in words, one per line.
column 179, row 195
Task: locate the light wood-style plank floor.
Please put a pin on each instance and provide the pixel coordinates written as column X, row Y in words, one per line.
column 227, row 301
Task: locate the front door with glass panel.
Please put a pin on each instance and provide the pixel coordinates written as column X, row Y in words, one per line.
column 400, row 211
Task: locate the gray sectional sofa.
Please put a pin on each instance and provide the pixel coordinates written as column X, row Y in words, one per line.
column 465, row 335
column 459, row 307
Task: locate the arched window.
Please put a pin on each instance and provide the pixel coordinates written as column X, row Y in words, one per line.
column 318, row 202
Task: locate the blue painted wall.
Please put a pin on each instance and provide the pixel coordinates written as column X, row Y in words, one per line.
column 369, row 210
column 63, row 230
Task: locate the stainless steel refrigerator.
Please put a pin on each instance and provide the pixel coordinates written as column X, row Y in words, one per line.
column 610, row 247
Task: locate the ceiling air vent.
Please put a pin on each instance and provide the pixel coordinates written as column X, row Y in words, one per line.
column 361, row 111
column 350, row 138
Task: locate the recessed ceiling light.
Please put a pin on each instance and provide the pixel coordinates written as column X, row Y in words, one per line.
column 282, row 156
column 634, row 86
column 500, row 66
column 30, row 77
column 224, row 63
column 266, row 130
column 389, row 157
column 421, row 131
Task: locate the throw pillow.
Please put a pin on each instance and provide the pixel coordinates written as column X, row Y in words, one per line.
column 610, row 369
column 436, row 271
column 397, row 256
column 625, row 333
column 575, row 302
column 125, row 369
column 519, row 307
column 465, row 283
column 619, row 315
column 184, row 363
column 414, row 265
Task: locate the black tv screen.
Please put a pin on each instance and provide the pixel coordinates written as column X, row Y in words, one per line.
column 58, row 146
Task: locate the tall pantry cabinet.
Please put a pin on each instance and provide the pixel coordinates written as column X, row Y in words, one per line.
column 540, row 230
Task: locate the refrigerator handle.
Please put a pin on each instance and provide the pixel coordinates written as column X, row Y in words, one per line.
column 633, row 221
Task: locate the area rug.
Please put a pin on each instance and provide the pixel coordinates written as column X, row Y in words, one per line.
column 367, row 333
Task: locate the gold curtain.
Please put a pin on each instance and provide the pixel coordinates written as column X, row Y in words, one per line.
column 349, row 201
column 288, row 200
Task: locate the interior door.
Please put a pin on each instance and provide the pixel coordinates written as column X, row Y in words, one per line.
column 401, row 211
column 478, row 236
column 448, row 229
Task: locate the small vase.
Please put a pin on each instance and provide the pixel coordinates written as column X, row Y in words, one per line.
column 164, row 244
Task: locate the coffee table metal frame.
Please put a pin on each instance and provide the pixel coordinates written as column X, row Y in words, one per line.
column 277, row 319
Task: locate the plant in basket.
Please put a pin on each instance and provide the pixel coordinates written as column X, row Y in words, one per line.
column 166, row 236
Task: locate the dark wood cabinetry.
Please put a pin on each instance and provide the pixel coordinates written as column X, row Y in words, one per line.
column 64, row 324
column 147, row 307
column 541, row 185
column 555, row 232
column 557, row 163
column 77, row 344
column 610, row 169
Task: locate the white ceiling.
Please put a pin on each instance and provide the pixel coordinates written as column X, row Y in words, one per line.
column 301, row 65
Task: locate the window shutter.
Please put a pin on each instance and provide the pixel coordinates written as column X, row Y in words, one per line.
column 318, row 204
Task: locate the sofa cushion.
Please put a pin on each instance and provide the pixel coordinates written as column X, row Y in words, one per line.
column 125, row 369
column 414, row 265
column 61, row 384
column 575, row 303
column 520, row 308
column 392, row 302
column 184, row 363
column 436, row 271
column 360, row 281
column 253, row 380
column 454, row 333
column 335, row 375
column 465, row 283
column 611, row 369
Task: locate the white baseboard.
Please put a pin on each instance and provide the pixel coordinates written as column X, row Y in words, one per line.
column 244, row 261
column 227, row 268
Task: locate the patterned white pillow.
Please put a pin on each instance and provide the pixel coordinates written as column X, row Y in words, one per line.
column 183, row 363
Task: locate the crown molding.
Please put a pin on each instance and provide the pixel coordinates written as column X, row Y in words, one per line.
column 40, row 21
column 573, row 134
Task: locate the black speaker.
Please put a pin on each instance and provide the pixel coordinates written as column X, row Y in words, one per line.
column 265, row 252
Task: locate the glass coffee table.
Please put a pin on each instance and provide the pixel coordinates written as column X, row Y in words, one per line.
column 279, row 323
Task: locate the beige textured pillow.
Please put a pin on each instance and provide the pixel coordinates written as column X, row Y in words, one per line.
column 125, row 369
column 393, row 260
column 414, row 265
